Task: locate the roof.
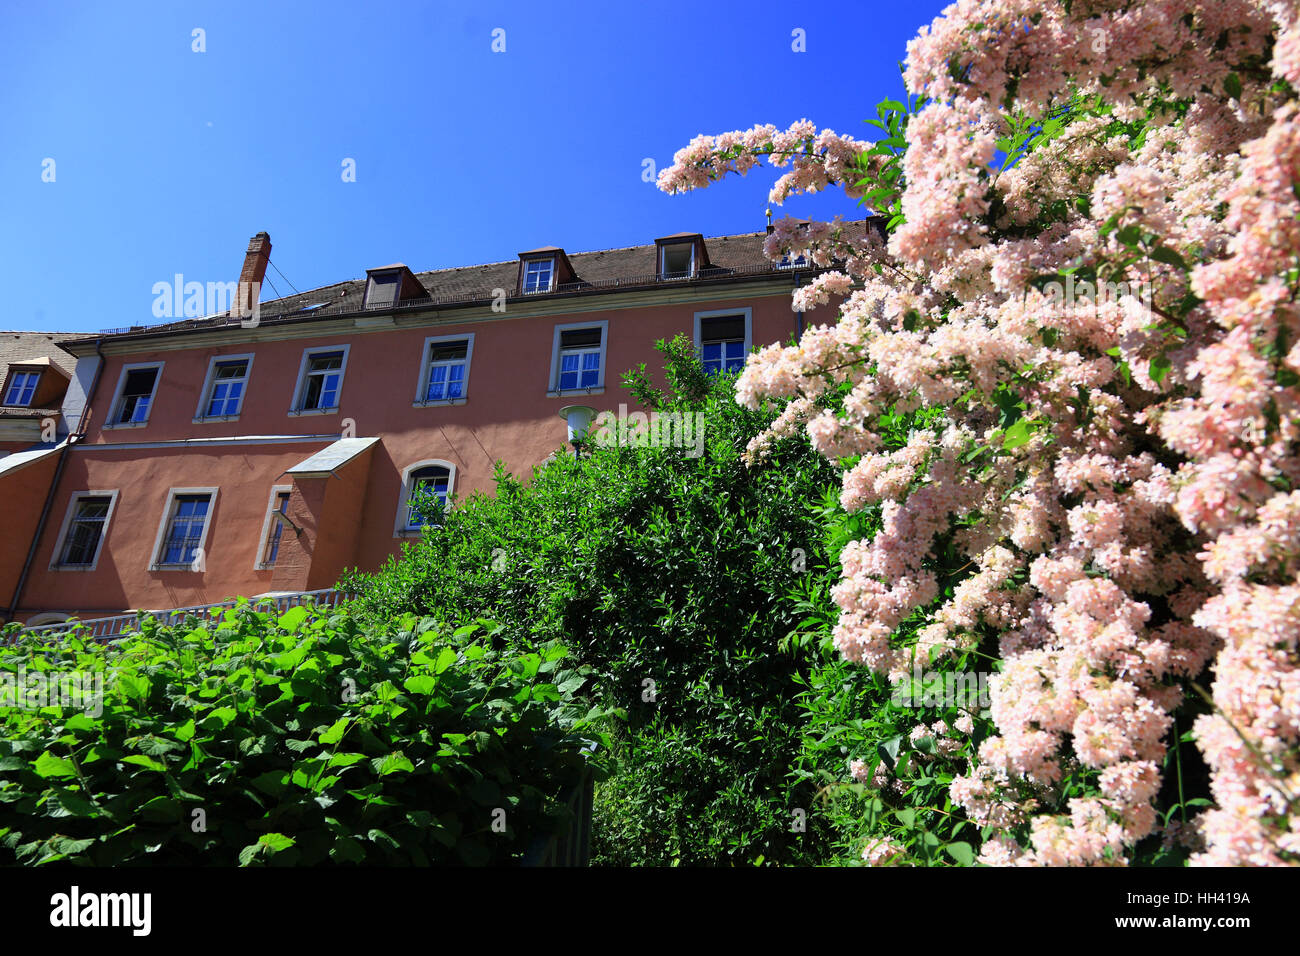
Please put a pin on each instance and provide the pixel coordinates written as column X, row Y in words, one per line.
column 35, row 348
column 28, row 456
column 604, row 270
column 331, row 458
column 27, row 348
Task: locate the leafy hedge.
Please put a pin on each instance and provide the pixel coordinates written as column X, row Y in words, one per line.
column 292, row 740
column 667, row 574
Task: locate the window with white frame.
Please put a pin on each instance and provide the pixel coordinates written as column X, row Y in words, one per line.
column 82, row 536
column 578, row 357
column 538, row 275
column 320, row 380
column 22, row 388
column 677, row 261
column 723, row 340
column 184, row 528
column 444, row 373
column 135, row 394
column 798, row 263
column 426, row 490
column 223, row 393
column 273, row 527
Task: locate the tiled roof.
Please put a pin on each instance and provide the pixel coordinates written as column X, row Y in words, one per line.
column 18, row 348
column 626, row 268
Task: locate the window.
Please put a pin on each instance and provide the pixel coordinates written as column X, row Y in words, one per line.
column 677, row 261
column 22, row 386
column 82, row 536
column 135, row 394
column 426, row 490
column 723, row 339
column 320, row 380
column 382, row 291
column 223, row 392
column 183, row 530
column 538, row 275
column 444, row 373
column 798, row 263
column 273, row 528
column 578, row 357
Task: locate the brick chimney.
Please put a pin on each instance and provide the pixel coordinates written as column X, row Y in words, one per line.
column 254, row 271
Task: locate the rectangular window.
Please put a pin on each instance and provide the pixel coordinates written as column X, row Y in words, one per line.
column 271, row 550
column 677, row 261
column 722, row 343
column 138, row 385
column 448, row 363
column 580, row 351
column 85, row 531
column 226, row 391
column 538, row 274
column 184, row 533
column 22, row 386
column 428, row 497
column 322, row 381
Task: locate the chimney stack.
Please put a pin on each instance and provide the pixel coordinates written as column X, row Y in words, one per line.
column 254, row 271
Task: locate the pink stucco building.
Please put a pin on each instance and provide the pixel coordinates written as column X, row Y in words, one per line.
column 178, row 443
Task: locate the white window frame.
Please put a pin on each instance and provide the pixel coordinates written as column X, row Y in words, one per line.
column 260, row 564
column 300, row 387
column 10, row 383
column 663, row 262
column 550, row 285
column 788, row 263
column 422, row 383
column 209, row 383
column 400, row 529
column 746, row 311
column 553, row 389
column 168, row 514
column 115, row 408
column 61, row 540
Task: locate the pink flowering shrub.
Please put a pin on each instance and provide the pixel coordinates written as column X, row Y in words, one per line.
column 1086, row 312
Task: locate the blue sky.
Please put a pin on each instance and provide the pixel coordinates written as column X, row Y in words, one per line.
column 167, row 160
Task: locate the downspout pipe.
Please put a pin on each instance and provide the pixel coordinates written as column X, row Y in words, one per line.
column 54, row 487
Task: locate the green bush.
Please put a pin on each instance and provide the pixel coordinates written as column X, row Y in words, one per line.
column 291, row 740
column 667, row 574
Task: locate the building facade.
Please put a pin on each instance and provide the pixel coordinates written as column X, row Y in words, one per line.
column 262, row 451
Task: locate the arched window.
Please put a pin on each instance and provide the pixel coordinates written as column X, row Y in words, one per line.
column 426, row 490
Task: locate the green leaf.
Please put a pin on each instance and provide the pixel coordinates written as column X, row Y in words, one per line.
column 1168, row 257
column 140, row 760
column 395, row 762
column 961, row 852
column 1232, row 85
column 1160, row 366
column 49, row 766
column 336, row 731
column 1016, row 435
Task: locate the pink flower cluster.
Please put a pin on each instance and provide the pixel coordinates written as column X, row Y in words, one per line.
column 1140, row 521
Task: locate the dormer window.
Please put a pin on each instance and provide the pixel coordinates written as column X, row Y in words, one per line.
column 798, row 263
column 543, row 270
column 681, row 255
column 677, row 262
column 539, row 275
column 22, row 388
column 390, row 287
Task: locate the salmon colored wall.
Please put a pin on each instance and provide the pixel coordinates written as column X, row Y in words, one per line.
column 349, row 520
column 143, row 477
column 23, row 492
